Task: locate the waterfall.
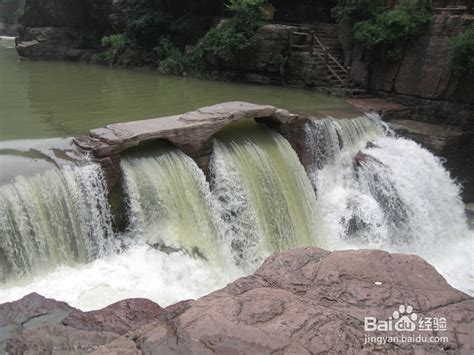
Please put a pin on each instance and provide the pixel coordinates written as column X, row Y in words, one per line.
column 170, row 204
column 56, row 217
column 266, row 199
column 365, row 188
column 395, row 195
column 327, row 139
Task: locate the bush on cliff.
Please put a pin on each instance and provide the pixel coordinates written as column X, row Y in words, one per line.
column 233, row 35
column 402, row 23
column 462, row 55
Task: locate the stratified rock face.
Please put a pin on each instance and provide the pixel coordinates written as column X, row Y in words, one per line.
column 63, row 29
column 424, row 71
column 303, row 301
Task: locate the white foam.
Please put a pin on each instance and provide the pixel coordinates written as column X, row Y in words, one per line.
column 141, row 272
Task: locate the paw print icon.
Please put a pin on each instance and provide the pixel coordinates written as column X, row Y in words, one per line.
column 405, row 319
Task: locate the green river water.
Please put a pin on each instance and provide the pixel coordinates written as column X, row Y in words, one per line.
column 44, row 99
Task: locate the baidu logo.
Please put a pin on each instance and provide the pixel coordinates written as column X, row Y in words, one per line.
column 404, row 319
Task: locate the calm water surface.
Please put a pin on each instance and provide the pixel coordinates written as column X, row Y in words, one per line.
column 61, row 99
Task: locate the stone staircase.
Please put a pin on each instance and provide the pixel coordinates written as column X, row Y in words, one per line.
column 322, row 42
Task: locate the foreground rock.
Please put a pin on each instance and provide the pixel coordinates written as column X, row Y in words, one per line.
column 303, row 301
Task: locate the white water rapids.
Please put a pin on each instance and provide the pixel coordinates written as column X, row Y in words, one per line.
column 399, row 198
column 395, row 196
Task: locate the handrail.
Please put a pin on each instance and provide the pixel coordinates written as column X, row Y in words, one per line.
column 329, row 54
column 330, row 69
column 326, row 58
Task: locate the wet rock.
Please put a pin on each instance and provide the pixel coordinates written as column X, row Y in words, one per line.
column 359, row 159
column 302, row 301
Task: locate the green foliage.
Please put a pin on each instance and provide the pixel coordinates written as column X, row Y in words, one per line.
column 462, row 55
column 172, row 61
column 386, row 28
column 116, row 42
column 352, row 11
column 145, row 22
column 234, row 35
column 112, row 46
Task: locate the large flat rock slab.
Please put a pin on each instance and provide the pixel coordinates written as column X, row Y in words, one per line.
column 189, row 131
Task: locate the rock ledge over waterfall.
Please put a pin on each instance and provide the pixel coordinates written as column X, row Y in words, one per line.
column 303, row 301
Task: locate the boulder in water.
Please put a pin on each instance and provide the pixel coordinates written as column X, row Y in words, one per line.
column 302, row 301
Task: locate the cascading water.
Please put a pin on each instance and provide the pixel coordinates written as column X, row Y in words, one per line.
column 170, row 204
column 186, row 239
column 380, row 191
column 57, row 217
column 266, row 199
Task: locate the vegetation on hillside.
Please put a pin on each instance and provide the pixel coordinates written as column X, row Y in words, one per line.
column 154, row 36
column 235, row 35
column 462, row 55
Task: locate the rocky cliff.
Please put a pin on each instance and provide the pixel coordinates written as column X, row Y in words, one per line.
column 303, row 301
column 63, row 29
column 422, row 75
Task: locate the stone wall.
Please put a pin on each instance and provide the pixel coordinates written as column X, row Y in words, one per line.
column 262, row 64
column 271, row 62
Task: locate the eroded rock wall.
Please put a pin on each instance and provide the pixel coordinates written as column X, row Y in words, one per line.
column 422, row 75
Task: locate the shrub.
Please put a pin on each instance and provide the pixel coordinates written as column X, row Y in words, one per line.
column 462, row 55
column 116, row 41
column 172, row 61
column 234, row 35
column 388, row 27
column 112, row 46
